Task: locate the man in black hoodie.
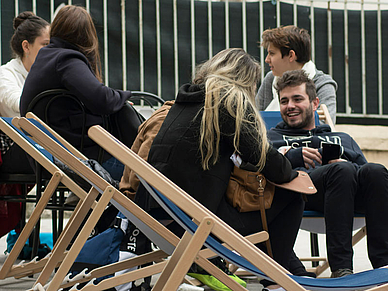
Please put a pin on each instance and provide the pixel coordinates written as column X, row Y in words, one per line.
column 347, row 183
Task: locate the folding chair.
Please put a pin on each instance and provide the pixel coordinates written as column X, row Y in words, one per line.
column 155, row 231
column 324, row 116
column 9, row 269
column 202, row 226
column 313, row 221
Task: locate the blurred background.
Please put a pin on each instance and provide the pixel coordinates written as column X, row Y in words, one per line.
column 153, row 45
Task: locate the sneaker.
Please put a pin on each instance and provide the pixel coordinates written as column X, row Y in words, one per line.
column 187, row 287
column 277, row 288
column 306, row 274
column 214, row 283
column 201, row 275
column 341, row 273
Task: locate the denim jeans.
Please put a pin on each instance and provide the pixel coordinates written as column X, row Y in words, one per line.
column 114, row 167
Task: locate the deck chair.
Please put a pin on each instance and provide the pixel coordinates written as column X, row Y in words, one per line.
column 155, row 231
column 9, row 269
column 313, row 221
column 203, row 227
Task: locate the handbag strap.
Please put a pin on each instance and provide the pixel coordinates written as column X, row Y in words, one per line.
column 262, row 182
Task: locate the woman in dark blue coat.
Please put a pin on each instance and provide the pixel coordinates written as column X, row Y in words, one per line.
column 213, row 118
column 72, row 61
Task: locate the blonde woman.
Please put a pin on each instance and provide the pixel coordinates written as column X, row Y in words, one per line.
column 213, row 118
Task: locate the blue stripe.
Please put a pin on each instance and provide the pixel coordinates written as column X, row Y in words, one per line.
column 29, row 139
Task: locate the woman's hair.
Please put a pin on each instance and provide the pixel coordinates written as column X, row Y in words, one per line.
column 74, row 25
column 27, row 27
column 230, row 79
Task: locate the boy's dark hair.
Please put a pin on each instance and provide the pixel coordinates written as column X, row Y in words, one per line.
column 296, row 78
column 288, row 38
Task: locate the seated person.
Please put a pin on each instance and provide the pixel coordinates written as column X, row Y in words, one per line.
column 72, row 61
column 31, row 34
column 212, row 118
column 289, row 48
column 142, row 144
column 345, row 184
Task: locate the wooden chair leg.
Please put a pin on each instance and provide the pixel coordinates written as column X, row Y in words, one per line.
column 314, row 247
column 183, row 257
column 28, row 228
column 115, row 267
column 64, row 240
column 81, row 239
column 124, row 278
column 150, row 270
column 34, row 267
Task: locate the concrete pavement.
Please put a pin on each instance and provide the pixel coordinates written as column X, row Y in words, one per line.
column 361, row 261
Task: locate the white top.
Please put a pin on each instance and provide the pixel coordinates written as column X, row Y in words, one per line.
column 12, row 77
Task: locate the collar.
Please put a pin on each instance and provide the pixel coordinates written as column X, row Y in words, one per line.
column 190, row 93
column 322, row 128
column 59, row 42
column 19, row 67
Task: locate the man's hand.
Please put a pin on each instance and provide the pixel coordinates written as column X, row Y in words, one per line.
column 309, row 156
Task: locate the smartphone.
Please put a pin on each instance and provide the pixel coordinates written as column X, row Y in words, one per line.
column 330, row 151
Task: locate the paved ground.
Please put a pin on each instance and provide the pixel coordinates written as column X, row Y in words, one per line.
column 361, row 261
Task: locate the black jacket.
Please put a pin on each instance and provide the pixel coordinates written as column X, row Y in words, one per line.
column 282, row 135
column 175, row 152
column 61, row 66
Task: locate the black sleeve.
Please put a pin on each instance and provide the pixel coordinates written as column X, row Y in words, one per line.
column 78, row 78
column 249, row 149
column 278, row 168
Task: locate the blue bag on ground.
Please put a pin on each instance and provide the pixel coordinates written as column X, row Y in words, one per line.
column 102, row 249
column 45, row 245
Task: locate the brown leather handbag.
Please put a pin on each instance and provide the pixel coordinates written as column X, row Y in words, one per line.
column 250, row 191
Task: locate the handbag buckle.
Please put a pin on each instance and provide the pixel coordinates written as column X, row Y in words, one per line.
column 260, row 178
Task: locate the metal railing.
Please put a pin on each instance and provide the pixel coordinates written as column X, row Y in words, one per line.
column 154, row 45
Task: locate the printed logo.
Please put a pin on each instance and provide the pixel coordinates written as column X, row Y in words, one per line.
column 311, row 141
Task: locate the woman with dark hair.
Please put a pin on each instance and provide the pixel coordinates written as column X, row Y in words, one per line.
column 72, row 62
column 30, row 35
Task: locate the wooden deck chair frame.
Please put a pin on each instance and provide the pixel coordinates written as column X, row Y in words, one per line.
column 166, row 240
column 53, row 260
column 324, row 116
column 251, row 257
column 48, row 264
column 9, row 268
